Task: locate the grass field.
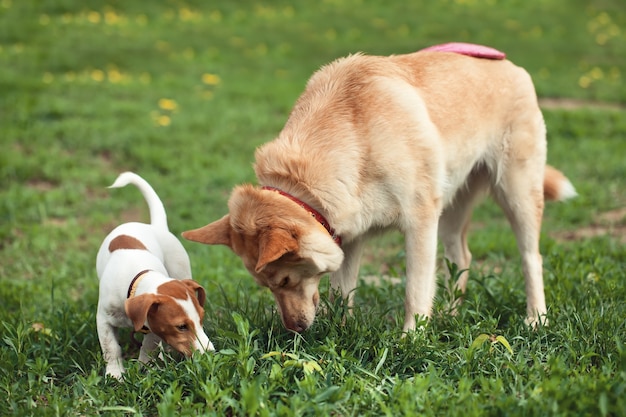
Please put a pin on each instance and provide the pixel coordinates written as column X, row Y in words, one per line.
column 182, row 92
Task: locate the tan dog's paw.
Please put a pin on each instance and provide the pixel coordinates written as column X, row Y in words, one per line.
column 537, row 321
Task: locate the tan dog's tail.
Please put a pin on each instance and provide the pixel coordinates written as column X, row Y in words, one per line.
column 556, row 186
column 158, row 217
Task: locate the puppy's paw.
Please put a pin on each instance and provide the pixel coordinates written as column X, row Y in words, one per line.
column 115, row 370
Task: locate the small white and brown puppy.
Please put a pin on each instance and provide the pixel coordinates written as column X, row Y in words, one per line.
column 145, row 283
column 404, row 141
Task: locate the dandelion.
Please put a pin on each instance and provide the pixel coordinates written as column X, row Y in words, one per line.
column 114, row 76
column 186, row 14
column 47, row 78
column 44, row 20
column 111, row 18
column 97, row 75
column 93, row 17
column 596, row 73
column 163, row 120
column 584, row 81
column 167, row 104
column 211, row 79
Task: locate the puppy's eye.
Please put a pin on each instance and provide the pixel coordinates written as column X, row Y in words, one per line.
column 182, row 328
column 284, row 282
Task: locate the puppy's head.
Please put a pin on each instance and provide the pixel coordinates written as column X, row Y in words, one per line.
column 281, row 245
column 174, row 314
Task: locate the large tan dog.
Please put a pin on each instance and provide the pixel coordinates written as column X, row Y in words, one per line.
column 410, row 142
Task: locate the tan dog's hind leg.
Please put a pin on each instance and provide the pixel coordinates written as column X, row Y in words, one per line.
column 520, row 194
column 524, row 211
column 453, row 225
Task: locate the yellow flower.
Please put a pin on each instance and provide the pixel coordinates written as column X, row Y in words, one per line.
column 93, row 17
column 97, row 75
column 584, row 81
column 167, row 104
column 115, row 76
column 48, row 77
column 163, row 120
column 111, row 18
column 211, row 79
column 596, row 73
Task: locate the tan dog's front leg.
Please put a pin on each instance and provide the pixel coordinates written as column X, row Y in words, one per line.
column 345, row 278
column 421, row 282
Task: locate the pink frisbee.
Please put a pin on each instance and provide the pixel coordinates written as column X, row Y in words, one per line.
column 469, row 49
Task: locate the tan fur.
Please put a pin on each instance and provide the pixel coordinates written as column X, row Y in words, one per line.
column 410, row 142
column 125, row 242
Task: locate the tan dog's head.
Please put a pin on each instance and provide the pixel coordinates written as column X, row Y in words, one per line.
column 281, row 245
column 174, row 314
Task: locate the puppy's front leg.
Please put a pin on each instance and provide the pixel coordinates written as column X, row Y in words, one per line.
column 421, row 258
column 111, row 349
column 149, row 344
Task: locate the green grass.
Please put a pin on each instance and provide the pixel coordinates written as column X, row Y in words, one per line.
column 182, row 92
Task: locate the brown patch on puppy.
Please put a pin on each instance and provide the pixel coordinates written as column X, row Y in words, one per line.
column 125, row 242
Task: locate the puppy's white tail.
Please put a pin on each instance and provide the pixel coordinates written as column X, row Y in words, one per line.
column 158, row 217
column 556, row 186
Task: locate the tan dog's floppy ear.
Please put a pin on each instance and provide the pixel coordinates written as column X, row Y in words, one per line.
column 216, row 233
column 197, row 288
column 274, row 243
column 137, row 309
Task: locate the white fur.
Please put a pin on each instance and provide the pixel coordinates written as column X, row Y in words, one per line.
column 166, row 259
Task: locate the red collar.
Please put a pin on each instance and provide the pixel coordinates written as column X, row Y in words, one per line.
column 314, row 213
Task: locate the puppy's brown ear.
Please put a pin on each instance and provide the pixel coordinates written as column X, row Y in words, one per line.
column 137, row 309
column 216, row 233
column 197, row 288
column 274, row 243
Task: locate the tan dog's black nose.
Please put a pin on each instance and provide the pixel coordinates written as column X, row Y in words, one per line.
column 297, row 326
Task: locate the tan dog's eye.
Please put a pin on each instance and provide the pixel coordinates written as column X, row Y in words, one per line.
column 182, row 327
column 284, row 282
